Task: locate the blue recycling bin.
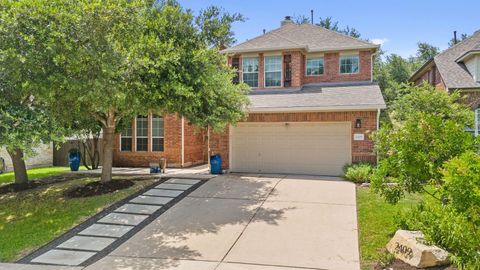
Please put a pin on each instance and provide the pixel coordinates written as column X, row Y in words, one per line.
column 216, row 164
column 74, row 159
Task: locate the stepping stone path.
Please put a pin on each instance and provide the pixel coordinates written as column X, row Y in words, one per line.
column 110, row 228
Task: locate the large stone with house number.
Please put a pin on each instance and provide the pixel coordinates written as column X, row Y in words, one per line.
column 410, row 247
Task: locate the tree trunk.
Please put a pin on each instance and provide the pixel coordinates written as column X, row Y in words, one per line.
column 19, row 168
column 108, row 137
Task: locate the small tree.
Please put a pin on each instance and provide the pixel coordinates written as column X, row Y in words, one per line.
column 115, row 60
column 25, row 62
column 427, row 129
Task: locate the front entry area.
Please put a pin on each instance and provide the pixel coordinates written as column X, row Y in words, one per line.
column 317, row 148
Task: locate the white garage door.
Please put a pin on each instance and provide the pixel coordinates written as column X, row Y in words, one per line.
column 298, row 148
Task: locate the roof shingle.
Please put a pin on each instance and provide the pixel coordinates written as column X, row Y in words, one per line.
column 311, row 38
column 339, row 96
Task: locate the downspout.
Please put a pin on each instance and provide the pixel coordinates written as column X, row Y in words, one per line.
column 208, row 148
column 372, row 64
column 183, row 141
column 378, row 127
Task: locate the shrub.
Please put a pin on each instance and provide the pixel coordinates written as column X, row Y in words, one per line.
column 451, row 218
column 358, row 172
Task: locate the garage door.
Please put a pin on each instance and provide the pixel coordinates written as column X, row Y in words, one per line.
column 298, row 148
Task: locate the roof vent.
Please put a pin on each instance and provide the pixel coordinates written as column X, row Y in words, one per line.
column 288, row 20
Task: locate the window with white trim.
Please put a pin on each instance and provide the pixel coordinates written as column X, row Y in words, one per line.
column 477, row 122
column 250, row 71
column 273, row 71
column 314, row 66
column 157, row 133
column 142, row 133
column 126, row 139
column 349, row 64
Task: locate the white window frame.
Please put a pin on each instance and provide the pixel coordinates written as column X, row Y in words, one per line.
column 140, row 137
column 157, row 137
column 128, row 137
column 348, row 56
column 313, row 59
column 477, row 122
column 265, row 71
column 257, row 72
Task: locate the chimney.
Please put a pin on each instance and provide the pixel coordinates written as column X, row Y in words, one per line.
column 288, row 20
column 454, row 37
column 311, row 16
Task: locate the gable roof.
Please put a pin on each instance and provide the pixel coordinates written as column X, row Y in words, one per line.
column 311, row 38
column 454, row 73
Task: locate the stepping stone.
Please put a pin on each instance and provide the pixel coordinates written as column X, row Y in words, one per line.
column 63, row 257
column 106, row 230
column 138, row 209
column 173, row 186
column 87, row 243
column 123, row 219
column 151, row 200
column 163, row 192
column 182, row 181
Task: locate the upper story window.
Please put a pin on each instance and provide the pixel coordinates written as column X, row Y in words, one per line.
column 314, row 66
column 250, row 71
column 157, row 133
column 126, row 139
column 273, row 71
column 349, row 64
column 142, row 133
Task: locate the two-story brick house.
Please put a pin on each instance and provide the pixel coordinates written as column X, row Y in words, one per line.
column 313, row 102
column 456, row 69
column 312, row 108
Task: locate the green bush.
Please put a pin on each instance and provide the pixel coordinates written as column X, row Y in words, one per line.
column 451, row 217
column 358, row 172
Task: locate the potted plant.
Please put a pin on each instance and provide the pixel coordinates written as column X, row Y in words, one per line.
column 74, row 158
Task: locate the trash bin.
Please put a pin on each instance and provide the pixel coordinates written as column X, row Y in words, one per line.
column 216, row 164
column 154, row 168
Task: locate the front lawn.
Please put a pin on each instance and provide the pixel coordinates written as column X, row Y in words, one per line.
column 376, row 220
column 35, row 173
column 32, row 218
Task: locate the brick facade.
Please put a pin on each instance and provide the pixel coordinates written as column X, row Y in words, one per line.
column 194, row 149
column 362, row 151
column 331, row 68
column 433, row 77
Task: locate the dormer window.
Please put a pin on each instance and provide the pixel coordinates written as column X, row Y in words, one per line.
column 250, row 71
column 349, row 64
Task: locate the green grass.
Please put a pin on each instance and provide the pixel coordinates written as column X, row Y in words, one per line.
column 32, row 218
column 376, row 220
column 36, row 173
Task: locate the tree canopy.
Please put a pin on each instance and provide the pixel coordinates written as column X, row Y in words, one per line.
column 114, row 60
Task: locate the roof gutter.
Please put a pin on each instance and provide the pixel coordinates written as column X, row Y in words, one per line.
column 306, row 48
column 317, row 109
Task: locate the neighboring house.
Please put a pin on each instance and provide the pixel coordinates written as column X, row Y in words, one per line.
column 43, row 157
column 313, row 102
column 313, row 107
column 457, row 68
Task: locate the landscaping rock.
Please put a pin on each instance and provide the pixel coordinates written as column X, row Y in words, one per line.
column 410, row 247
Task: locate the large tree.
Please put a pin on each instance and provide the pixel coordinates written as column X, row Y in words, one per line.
column 25, row 63
column 118, row 59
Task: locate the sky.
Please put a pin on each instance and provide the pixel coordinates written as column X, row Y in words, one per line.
column 397, row 25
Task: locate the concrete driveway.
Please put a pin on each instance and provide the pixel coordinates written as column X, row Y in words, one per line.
column 239, row 222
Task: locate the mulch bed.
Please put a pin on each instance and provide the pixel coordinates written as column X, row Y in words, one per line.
column 98, row 188
column 399, row 265
column 12, row 187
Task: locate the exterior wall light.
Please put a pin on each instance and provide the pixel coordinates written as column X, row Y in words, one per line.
column 358, row 123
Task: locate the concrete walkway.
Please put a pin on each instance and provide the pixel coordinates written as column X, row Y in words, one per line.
column 236, row 222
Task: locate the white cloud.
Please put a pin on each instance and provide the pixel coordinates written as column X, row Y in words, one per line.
column 379, row 41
